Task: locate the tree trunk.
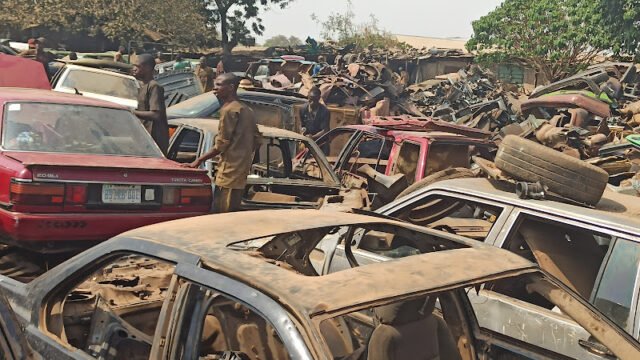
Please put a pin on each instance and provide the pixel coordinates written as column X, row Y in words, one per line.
column 226, row 49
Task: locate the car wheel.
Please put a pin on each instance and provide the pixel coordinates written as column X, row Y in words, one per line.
column 448, row 174
column 562, row 174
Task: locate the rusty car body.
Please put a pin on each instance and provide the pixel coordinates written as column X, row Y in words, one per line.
column 279, row 178
column 593, row 251
column 203, row 288
column 400, row 151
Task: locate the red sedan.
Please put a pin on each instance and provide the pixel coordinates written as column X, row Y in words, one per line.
column 75, row 171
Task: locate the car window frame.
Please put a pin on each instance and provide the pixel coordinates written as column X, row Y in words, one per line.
column 496, row 230
column 519, row 213
column 177, row 134
column 285, row 323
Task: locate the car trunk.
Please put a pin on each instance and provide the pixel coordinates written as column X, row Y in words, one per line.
column 89, row 183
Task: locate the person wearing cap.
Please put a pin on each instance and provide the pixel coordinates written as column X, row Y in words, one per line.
column 206, row 74
column 238, row 138
column 151, row 107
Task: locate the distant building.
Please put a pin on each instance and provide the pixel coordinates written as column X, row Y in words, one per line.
column 420, row 42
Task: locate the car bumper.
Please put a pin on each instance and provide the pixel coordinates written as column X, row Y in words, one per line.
column 50, row 229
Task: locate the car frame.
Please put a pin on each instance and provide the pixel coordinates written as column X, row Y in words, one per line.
column 208, row 253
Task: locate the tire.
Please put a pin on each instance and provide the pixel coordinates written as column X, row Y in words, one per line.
column 447, row 174
column 562, row 174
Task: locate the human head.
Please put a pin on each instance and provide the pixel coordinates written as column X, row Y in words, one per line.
column 203, row 60
column 143, row 70
column 179, row 57
column 314, row 96
column 121, row 49
column 32, row 43
column 73, row 56
column 321, row 59
column 226, row 86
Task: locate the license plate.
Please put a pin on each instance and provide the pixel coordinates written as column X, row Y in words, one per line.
column 121, row 194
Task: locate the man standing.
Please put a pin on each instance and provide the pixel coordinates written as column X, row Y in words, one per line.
column 151, row 108
column 119, row 55
column 315, row 117
column 236, row 143
column 206, row 74
column 38, row 53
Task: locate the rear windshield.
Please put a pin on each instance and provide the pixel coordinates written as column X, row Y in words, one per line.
column 195, row 106
column 103, row 84
column 75, row 129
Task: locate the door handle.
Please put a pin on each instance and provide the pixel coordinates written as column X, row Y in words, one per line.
column 596, row 348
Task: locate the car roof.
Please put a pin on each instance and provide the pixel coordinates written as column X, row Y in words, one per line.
column 99, row 70
column 211, row 125
column 209, row 236
column 405, row 134
column 615, row 211
column 8, row 94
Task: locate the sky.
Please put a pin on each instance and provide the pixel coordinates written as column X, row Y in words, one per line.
column 432, row 18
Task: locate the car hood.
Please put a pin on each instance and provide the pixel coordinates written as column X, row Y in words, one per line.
column 29, row 159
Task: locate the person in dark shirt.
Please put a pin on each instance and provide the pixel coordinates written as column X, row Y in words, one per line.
column 151, row 108
column 315, row 117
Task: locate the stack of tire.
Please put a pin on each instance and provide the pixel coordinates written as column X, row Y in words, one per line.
column 563, row 175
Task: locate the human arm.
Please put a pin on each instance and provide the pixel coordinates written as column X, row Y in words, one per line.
column 226, row 127
column 156, row 106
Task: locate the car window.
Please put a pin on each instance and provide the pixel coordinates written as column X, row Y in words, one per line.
column 101, row 83
column 75, row 129
column 460, row 216
column 114, row 310
column 370, row 150
column 185, row 148
column 336, row 140
column 611, row 298
column 277, row 158
column 407, row 161
column 443, row 156
column 225, row 325
column 195, row 106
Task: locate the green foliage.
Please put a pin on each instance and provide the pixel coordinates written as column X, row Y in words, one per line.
column 622, row 19
column 240, row 19
column 183, row 22
column 555, row 37
column 341, row 28
column 283, row 41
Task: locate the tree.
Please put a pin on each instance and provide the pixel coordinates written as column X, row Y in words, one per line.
column 238, row 19
column 554, row 37
column 283, row 41
column 622, row 18
column 183, row 22
column 341, row 28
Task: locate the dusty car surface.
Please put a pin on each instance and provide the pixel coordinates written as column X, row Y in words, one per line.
column 400, row 152
column 289, row 170
column 77, row 170
column 271, row 109
column 202, row 288
column 97, row 83
column 595, row 252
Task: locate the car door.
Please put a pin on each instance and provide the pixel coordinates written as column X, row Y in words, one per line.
column 186, row 144
column 13, row 344
column 589, row 258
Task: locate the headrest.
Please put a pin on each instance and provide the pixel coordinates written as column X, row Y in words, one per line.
column 405, row 312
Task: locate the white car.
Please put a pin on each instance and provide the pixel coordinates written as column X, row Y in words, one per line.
column 96, row 83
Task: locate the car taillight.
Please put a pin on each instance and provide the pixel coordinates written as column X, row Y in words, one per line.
column 76, row 194
column 36, row 193
column 200, row 195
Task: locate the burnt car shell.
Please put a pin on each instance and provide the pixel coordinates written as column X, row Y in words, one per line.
column 265, row 190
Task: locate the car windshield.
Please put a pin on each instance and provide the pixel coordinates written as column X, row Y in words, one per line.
column 195, row 106
column 101, row 83
column 75, row 129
